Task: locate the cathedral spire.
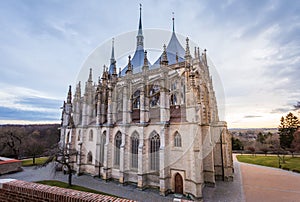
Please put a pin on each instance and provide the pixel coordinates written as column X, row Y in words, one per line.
column 78, row 90
column 112, row 59
column 173, row 19
column 140, row 37
column 90, row 76
column 69, row 98
column 146, row 62
column 129, row 70
column 112, row 67
column 140, row 22
column 187, row 49
column 164, row 60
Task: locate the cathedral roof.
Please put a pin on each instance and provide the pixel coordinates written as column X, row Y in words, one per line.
column 174, row 48
column 137, row 61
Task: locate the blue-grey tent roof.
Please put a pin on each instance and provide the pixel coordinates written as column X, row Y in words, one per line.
column 174, row 47
column 137, row 62
column 111, row 69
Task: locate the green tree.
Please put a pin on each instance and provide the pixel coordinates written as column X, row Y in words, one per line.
column 236, row 144
column 261, row 138
column 288, row 126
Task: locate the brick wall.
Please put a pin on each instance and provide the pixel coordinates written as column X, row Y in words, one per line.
column 16, row 190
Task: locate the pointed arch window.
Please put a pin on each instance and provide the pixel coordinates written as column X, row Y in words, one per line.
column 173, row 100
column 154, row 151
column 68, row 137
column 173, row 93
column 134, row 150
column 89, row 157
column 91, row 135
column 177, row 140
column 79, row 135
column 120, row 101
column 182, row 91
column 102, row 145
column 118, row 141
column 136, row 99
column 154, row 94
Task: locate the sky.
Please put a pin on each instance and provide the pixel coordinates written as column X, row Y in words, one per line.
column 253, row 44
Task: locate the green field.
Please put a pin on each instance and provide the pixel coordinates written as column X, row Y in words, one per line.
column 38, row 161
column 74, row 187
column 291, row 163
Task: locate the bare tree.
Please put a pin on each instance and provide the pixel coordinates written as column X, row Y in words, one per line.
column 264, row 149
column 296, row 141
column 34, row 148
column 11, row 140
column 252, row 149
column 65, row 157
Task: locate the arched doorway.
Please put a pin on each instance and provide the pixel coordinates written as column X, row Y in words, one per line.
column 178, row 184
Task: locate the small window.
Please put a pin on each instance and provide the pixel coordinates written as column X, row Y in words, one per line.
column 91, row 135
column 177, row 140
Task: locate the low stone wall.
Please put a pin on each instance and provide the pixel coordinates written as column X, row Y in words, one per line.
column 9, row 165
column 16, row 190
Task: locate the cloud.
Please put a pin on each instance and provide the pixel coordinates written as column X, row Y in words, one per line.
column 281, row 110
column 251, row 116
column 18, row 103
column 253, row 44
column 17, row 114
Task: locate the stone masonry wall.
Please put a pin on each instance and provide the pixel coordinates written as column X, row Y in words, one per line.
column 16, row 190
column 9, row 165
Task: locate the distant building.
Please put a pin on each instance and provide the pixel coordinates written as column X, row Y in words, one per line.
column 8, row 165
column 152, row 125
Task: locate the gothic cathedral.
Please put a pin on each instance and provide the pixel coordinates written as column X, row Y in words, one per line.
column 152, row 125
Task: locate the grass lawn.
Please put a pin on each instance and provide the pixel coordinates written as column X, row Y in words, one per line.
column 291, row 163
column 38, row 161
column 74, row 187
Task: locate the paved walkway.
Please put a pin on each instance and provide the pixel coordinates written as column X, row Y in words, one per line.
column 265, row 184
column 251, row 183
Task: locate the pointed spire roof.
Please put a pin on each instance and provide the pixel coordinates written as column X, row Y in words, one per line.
column 140, row 22
column 90, row 76
column 137, row 60
column 174, row 49
column 164, row 58
column 112, row 59
column 173, row 19
column 187, row 48
column 69, row 98
column 112, row 67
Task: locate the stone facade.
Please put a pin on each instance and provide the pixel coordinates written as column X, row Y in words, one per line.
column 151, row 125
